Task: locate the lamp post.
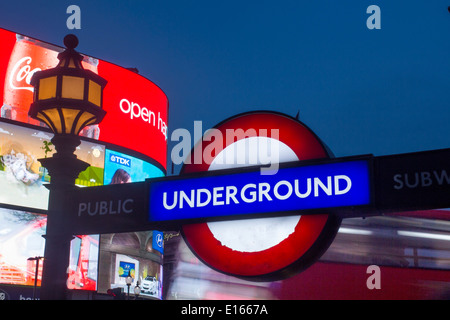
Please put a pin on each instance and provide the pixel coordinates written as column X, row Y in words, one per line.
column 128, row 280
column 36, row 272
column 66, row 98
column 137, row 290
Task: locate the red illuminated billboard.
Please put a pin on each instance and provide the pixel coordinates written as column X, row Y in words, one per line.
column 136, row 108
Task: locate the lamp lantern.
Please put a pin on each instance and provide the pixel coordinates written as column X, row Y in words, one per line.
column 68, row 97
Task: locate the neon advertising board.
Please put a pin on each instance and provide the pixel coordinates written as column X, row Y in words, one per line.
column 130, row 100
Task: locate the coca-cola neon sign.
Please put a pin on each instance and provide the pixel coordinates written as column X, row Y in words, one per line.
column 22, row 71
column 131, row 101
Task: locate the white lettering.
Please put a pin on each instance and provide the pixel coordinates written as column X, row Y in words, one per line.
column 282, row 190
column 252, row 193
column 230, row 192
column 162, row 126
column 81, row 207
column 213, row 149
column 138, row 112
column 416, row 180
column 336, row 184
column 190, row 201
column 327, row 189
column 308, row 190
column 92, row 213
column 199, row 194
column 426, row 179
column 277, row 186
column 374, row 21
column 134, row 113
column 217, row 195
column 166, row 206
column 264, row 189
column 244, row 147
column 420, row 179
column 181, row 150
column 440, row 179
column 374, row 280
column 397, row 179
column 105, row 207
column 124, row 206
column 24, row 73
column 197, row 138
column 74, row 21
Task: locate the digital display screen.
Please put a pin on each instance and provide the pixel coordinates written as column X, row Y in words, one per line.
column 22, row 250
column 82, row 271
column 129, row 99
column 20, row 239
column 126, row 269
column 22, row 177
column 122, row 168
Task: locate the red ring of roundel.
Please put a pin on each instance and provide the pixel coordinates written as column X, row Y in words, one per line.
column 278, row 261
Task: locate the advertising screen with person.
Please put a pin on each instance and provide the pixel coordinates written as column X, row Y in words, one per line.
column 122, row 168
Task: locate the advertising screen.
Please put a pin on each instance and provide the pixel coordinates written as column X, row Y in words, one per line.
column 23, row 179
column 122, row 168
column 21, row 242
column 126, row 269
column 20, row 238
column 83, row 263
column 130, row 254
column 130, row 100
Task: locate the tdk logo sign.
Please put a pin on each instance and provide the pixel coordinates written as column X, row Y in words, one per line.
column 120, row 160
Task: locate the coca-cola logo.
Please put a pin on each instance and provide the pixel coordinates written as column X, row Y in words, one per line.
column 21, row 74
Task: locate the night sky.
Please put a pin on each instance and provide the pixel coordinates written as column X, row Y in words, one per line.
column 380, row 91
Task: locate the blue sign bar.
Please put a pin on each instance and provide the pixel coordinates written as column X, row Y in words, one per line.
column 328, row 185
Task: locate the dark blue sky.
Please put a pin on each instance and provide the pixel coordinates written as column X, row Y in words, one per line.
column 362, row 91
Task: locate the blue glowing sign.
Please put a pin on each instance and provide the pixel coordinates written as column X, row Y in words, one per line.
column 158, row 241
column 328, row 185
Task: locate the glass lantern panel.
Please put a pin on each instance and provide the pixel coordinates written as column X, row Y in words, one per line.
column 71, row 63
column 85, row 119
column 95, row 91
column 41, row 117
column 72, row 87
column 47, row 88
column 69, row 118
column 54, row 119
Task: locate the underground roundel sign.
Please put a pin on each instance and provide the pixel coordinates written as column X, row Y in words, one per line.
column 260, row 249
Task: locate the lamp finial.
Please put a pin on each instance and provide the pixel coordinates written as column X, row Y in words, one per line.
column 71, row 41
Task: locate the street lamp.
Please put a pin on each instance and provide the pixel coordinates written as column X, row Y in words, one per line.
column 128, row 280
column 36, row 273
column 137, row 290
column 66, row 98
